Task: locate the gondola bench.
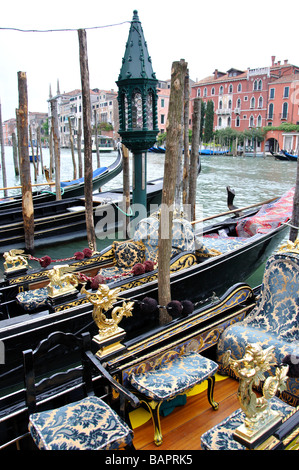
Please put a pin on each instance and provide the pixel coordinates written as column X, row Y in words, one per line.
column 168, row 376
column 273, row 322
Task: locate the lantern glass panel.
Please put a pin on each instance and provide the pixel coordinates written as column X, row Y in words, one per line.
column 137, row 118
column 149, row 111
column 126, row 112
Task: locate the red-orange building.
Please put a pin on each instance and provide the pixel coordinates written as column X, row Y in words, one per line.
column 267, row 96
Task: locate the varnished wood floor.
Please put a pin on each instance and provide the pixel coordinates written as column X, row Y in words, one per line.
column 183, row 427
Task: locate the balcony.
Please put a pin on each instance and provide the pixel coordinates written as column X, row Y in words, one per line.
column 284, row 116
column 237, row 110
column 224, row 111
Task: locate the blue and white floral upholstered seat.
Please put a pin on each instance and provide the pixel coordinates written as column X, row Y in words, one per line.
column 174, row 377
column 89, row 424
column 274, row 321
column 220, row 437
column 156, row 384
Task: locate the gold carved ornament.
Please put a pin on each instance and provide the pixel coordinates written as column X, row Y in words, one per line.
column 251, row 371
column 62, row 280
column 15, row 260
column 102, row 300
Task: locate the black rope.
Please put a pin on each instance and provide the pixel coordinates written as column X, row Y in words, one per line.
column 62, row 29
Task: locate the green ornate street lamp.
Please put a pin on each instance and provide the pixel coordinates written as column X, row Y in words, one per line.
column 137, row 103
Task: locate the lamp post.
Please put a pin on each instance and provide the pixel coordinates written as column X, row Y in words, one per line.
column 137, row 103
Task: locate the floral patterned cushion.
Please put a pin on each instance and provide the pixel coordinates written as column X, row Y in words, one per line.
column 89, row 424
column 220, row 437
column 270, row 216
column 32, row 299
column 128, row 253
column 114, row 273
column 224, row 244
column 174, row 377
column 275, row 319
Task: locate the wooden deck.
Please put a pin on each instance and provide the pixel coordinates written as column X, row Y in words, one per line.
column 183, row 427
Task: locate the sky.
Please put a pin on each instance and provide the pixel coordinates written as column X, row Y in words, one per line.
column 215, row 34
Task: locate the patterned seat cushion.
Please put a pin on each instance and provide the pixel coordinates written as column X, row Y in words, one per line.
column 32, row 299
column 89, row 424
column 173, row 377
column 270, row 216
column 114, row 272
column 223, row 244
column 220, row 437
column 128, row 253
column 275, row 319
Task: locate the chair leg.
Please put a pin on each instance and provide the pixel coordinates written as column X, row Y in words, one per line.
column 154, row 408
column 211, row 386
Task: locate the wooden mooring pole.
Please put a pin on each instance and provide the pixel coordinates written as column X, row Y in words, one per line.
column 295, row 216
column 4, row 179
column 174, row 131
column 91, row 238
column 194, row 156
column 27, row 201
column 56, row 141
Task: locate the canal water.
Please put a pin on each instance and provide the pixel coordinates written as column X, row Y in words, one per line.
column 254, row 179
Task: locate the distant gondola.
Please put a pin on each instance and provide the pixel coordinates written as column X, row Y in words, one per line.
column 69, row 189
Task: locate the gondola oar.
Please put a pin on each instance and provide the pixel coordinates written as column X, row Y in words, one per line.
column 233, row 211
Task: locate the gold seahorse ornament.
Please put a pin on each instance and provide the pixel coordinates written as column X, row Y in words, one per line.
column 103, row 300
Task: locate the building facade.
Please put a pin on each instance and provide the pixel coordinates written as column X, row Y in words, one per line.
column 36, row 120
column 255, row 98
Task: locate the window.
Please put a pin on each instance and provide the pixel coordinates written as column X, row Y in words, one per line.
column 260, row 102
column 255, row 85
column 245, row 98
column 221, row 90
column 198, row 91
column 251, row 121
column 260, row 85
column 228, row 121
column 220, row 104
column 271, row 109
column 205, row 92
column 285, row 111
column 219, row 121
column 239, row 87
column 230, row 89
column 259, row 121
column 286, row 92
column 230, row 104
column 252, row 102
column 213, row 91
column 272, row 93
column 162, row 118
column 238, row 121
column 162, row 102
column 238, row 103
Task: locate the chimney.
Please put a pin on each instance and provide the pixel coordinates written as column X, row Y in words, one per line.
column 273, row 60
column 285, row 61
column 215, row 74
column 278, row 62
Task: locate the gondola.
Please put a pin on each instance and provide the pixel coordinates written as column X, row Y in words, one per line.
column 74, row 188
column 58, row 221
column 195, row 274
column 292, row 158
column 213, row 152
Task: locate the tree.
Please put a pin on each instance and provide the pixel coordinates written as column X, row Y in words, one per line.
column 202, row 114
column 209, row 122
